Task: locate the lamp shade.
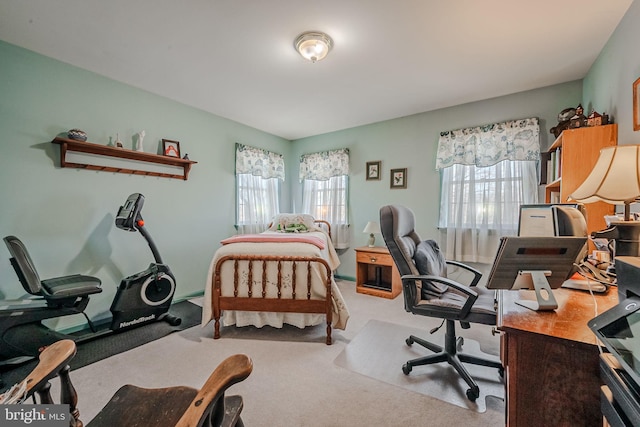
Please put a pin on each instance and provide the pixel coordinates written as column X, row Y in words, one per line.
column 372, row 227
column 615, row 178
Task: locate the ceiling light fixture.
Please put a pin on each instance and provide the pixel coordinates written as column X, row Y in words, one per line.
column 313, row 45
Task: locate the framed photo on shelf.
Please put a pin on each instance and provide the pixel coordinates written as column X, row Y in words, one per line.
column 636, row 105
column 399, row 178
column 373, row 170
column 171, row 148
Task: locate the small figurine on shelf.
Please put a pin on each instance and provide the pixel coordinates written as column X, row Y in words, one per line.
column 138, row 140
column 594, row 119
column 118, row 143
column 77, row 134
column 186, row 156
column 563, row 121
column 579, row 119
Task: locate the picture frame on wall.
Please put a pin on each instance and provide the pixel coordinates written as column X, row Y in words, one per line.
column 373, row 170
column 399, row 178
column 636, row 105
column 171, row 148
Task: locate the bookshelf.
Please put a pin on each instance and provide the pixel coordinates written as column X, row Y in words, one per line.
column 571, row 158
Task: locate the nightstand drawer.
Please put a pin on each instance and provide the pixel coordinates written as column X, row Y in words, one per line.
column 374, row 258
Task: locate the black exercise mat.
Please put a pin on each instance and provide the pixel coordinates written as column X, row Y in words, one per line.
column 108, row 345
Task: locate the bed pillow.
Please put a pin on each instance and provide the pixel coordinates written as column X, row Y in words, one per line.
column 430, row 261
column 293, row 223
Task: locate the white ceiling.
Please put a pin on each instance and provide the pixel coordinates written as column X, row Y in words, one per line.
column 391, row 58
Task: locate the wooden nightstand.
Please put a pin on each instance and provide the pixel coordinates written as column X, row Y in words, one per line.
column 376, row 273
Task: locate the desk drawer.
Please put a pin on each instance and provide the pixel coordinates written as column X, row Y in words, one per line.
column 374, row 258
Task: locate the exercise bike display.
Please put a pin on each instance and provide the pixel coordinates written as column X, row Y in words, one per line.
column 140, row 298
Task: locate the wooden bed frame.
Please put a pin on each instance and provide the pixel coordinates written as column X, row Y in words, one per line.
column 300, row 301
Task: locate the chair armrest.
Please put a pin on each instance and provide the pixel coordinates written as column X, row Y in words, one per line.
column 53, row 359
column 472, row 295
column 230, row 371
column 477, row 275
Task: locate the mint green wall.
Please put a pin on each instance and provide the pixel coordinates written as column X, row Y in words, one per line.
column 65, row 216
column 608, row 85
column 411, row 142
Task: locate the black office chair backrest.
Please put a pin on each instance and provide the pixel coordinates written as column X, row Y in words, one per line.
column 23, row 265
column 397, row 225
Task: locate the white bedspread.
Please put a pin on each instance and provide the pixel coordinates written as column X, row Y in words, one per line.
column 259, row 319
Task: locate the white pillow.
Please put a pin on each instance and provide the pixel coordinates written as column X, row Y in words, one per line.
column 283, row 221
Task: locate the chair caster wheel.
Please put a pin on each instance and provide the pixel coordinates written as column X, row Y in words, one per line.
column 409, row 341
column 472, row 394
column 406, row 369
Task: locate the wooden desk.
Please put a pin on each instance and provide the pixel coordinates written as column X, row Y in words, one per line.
column 551, row 359
column 376, row 272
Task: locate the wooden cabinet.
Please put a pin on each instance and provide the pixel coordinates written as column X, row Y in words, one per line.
column 376, row 273
column 87, row 155
column 576, row 152
column 551, row 359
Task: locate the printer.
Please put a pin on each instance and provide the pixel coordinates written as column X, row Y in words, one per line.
column 619, row 330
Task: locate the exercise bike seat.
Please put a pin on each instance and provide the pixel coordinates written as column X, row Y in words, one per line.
column 57, row 290
column 74, row 285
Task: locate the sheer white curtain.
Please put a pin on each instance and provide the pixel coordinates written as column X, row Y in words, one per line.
column 487, row 173
column 258, row 173
column 325, row 178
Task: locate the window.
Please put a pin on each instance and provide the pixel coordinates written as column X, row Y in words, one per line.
column 486, row 174
column 326, row 199
column 325, row 178
column 490, row 196
column 257, row 188
column 258, row 202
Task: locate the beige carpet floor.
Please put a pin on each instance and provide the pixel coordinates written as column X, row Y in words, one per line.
column 379, row 351
column 295, row 381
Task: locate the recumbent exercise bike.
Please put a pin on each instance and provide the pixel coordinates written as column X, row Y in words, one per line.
column 140, row 299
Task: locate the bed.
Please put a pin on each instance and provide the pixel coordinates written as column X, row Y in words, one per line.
column 290, row 268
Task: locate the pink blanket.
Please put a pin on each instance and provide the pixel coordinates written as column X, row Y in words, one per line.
column 274, row 238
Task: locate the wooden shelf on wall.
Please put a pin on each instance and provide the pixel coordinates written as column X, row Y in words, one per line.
column 91, row 156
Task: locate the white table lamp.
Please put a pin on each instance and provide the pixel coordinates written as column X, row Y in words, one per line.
column 615, row 179
column 372, row 228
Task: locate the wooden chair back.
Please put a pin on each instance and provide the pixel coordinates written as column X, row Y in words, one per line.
column 132, row 406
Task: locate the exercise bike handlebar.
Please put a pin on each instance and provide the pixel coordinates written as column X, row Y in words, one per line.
column 129, row 219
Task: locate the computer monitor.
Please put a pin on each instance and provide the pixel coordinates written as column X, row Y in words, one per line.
column 552, row 219
column 537, row 263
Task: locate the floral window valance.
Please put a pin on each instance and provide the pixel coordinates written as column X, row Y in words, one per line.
column 259, row 162
column 324, row 165
column 490, row 144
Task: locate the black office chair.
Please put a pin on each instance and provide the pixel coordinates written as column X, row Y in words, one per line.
column 428, row 292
